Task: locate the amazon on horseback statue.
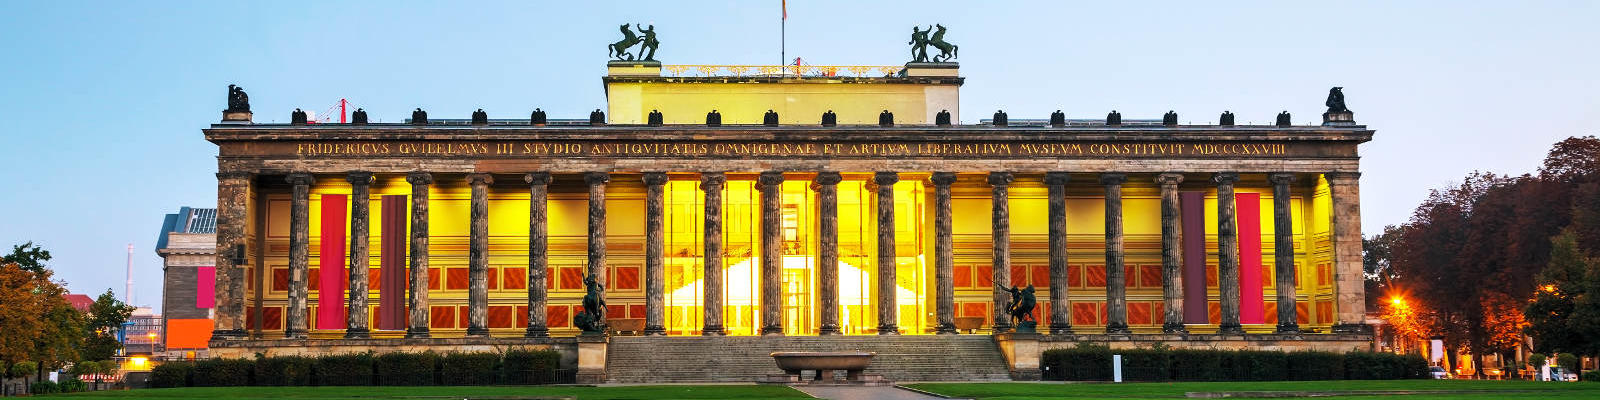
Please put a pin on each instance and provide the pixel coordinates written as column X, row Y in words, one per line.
column 921, row 39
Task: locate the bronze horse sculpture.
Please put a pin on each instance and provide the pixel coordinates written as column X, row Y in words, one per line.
column 619, row 50
column 947, row 51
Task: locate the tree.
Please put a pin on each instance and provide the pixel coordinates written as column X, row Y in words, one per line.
column 106, row 317
column 1552, row 315
column 1377, row 252
column 24, row 296
column 27, row 256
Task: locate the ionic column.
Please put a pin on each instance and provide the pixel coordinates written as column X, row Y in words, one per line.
column 1116, row 279
column 1000, row 228
column 1171, row 253
column 233, row 200
column 299, row 253
column 360, row 237
column 888, row 308
column 1349, row 291
column 771, row 187
column 538, row 258
column 1283, row 251
column 826, row 185
column 654, row 250
column 711, row 183
column 1228, row 252
column 597, row 232
column 1060, row 319
column 417, row 300
column 478, row 256
column 944, row 254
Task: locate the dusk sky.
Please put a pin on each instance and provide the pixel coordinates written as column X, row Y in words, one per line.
column 103, row 102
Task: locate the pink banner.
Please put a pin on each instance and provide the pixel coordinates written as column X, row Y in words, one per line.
column 1252, row 308
column 330, row 294
column 205, row 287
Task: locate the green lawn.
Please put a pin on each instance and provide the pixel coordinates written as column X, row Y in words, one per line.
column 457, row 392
column 1497, row 390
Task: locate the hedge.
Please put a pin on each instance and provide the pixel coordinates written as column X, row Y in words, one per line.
column 344, row 370
column 171, row 375
column 406, row 369
column 515, row 367
column 284, row 371
column 223, row 372
column 1090, row 362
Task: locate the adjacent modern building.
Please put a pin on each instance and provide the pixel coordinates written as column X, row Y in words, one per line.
column 188, row 250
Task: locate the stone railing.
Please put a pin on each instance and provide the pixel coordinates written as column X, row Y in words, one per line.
column 781, row 70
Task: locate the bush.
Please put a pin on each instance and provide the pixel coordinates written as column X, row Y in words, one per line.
column 1087, row 362
column 344, row 370
column 1536, row 360
column 72, row 385
column 283, row 371
column 1567, row 361
column 44, row 387
column 223, row 372
column 1591, row 376
column 1255, row 365
column 1148, row 365
column 468, row 368
column 171, row 375
column 1199, row 365
column 524, row 367
column 1315, row 366
column 405, row 369
column 1415, row 367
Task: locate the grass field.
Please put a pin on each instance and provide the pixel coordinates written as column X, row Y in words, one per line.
column 457, row 392
column 1427, row 389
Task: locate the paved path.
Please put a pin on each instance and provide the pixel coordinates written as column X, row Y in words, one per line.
column 862, row 393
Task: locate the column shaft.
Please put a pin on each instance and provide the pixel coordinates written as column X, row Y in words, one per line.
column 1283, row 251
column 233, row 202
column 478, row 256
column 360, row 242
column 826, row 185
column 1228, row 253
column 711, row 183
column 1350, row 292
column 654, row 251
column 1116, row 273
column 1060, row 303
column 1000, row 249
column 1171, row 253
column 888, row 308
column 418, row 295
column 944, row 254
column 597, row 233
column 538, row 258
column 299, row 254
column 771, row 186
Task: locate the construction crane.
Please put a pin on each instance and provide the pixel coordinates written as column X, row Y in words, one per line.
column 326, row 116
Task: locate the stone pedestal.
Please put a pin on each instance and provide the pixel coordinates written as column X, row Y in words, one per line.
column 236, row 117
column 1339, row 119
column 1022, row 354
column 633, row 68
column 933, row 69
column 592, row 358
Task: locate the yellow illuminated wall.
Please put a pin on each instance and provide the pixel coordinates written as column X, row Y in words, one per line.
column 797, row 102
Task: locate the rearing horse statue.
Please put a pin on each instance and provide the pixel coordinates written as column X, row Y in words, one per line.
column 947, row 51
column 619, row 50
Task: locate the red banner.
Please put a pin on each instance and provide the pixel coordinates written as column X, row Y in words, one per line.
column 1193, row 206
column 330, row 290
column 1252, row 308
column 391, row 282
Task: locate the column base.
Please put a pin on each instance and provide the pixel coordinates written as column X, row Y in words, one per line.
column 772, row 330
column 713, row 331
column 1174, row 327
column 655, row 331
column 947, row 329
column 537, row 331
column 294, row 334
column 888, row 329
column 829, row 330
column 417, row 333
column 1117, row 328
column 1230, row 329
column 357, row 333
column 1057, row 328
column 477, row 331
column 1000, row 328
column 1353, row 328
column 1289, row 328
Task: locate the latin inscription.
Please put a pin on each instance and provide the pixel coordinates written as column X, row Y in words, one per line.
column 740, row 149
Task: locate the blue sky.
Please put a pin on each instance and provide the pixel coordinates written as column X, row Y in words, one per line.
column 103, row 102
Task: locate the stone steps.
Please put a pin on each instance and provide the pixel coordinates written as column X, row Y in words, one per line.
column 638, row 359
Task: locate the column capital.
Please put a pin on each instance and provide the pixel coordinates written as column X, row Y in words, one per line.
column 235, row 175
column 999, row 179
column 596, row 178
column 885, row 178
column 361, row 178
column 537, row 178
column 769, row 180
column 1342, row 176
column 1113, row 178
column 480, row 179
column 300, row 178
column 712, row 180
column 1169, row 178
column 419, row 178
column 1281, row 178
column 828, row 178
column 1225, row 178
column 655, row 178
column 1056, row 178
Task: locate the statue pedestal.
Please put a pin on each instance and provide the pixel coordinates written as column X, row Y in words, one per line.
column 592, row 358
column 1022, row 354
column 633, row 68
column 235, row 117
column 932, row 69
column 1339, row 119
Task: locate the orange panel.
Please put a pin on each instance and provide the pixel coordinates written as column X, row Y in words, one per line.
column 1139, row 313
column 522, row 316
column 516, row 278
column 1272, row 313
column 571, row 278
column 442, row 317
column 1085, row 313
column 458, row 279
column 1019, row 275
column 314, row 280
column 1325, row 312
column 616, row 310
column 500, row 316
column 280, row 279
column 493, row 278
column 556, row 316
column 1267, row 279
column 974, row 309
column 188, row 333
column 1214, row 312
column 1041, row 276
column 627, row 278
column 1075, row 276
column 433, row 279
column 1211, row 276
column 373, row 278
column 1103, row 314
column 962, row 276
column 636, row 311
column 1097, row 275
column 1302, row 312
column 272, row 318
column 983, row 275
column 1150, row 276
column 462, row 319
column 1324, row 274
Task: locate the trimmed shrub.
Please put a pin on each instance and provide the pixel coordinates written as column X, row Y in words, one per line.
column 344, row 370
column 1591, row 376
column 1256, row 365
column 1199, row 365
column 1567, row 361
column 72, row 385
column 1536, row 360
column 468, row 368
column 1147, row 365
column 171, row 375
column 223, row 372
column 1087, row 362
column 44, row 387
column 405, row 369
column 1315, row 366
column 524, row 367
column 284, row 371
column 1415, row 367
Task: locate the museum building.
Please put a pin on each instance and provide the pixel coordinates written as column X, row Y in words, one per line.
column 779, row 202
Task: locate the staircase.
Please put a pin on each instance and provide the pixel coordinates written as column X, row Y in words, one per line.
column 648, row 359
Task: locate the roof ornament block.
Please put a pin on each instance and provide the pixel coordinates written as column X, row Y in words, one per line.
column 942, row 118
column 1284, row 119
column 538, row 118
column 1058, row 119
column 597, row 118
column 830, row 119
column 713, row 118
column 1000, row 118
column 359, row 117
column 1114, row 118
column 1226, row 119
column 419, row 117
column 886, row 118
column 480, row 117
column 654, row 118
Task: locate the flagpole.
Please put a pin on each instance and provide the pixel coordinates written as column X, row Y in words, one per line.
column 783, row 35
